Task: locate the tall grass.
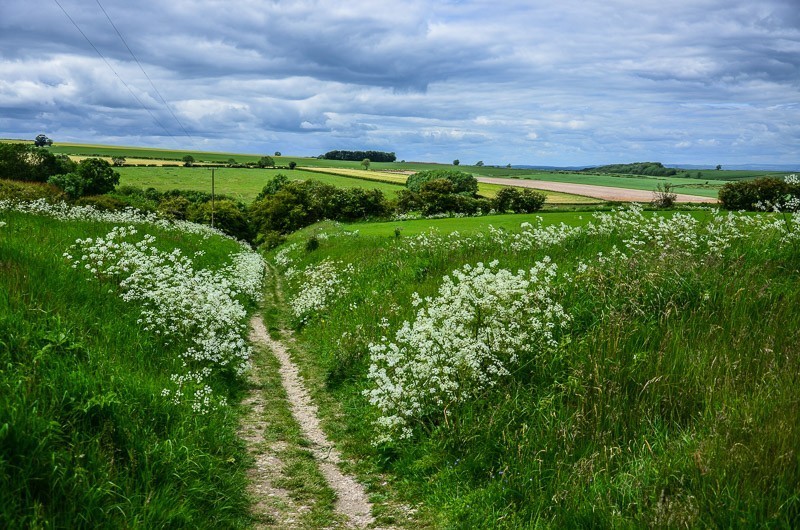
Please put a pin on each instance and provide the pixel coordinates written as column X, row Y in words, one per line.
column 671, row 401
column 86, row 439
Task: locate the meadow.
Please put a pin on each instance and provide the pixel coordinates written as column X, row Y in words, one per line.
column 244, row 184
column 239, row 183
column 114, row 412
column 621, row 369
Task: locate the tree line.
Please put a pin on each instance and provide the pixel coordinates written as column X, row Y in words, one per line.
column 652, row 169
column 358, row 156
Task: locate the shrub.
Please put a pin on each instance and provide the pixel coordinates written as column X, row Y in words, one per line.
column 753, row 194
column 519, row 200
column 663, row 196
column 296, row 204
column 174, row 207
column 101, row 202
column 228, row 217
column 272, row 186
column 92, row 177
column 462, row 182
column 29, row 191
column 266, row 161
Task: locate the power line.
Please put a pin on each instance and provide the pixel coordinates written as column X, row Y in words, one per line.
column 142, row 69
column 115, row 72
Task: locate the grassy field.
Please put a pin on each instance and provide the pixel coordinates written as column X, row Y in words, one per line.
column 485, row 190
column 86, row 438
column 242, row 184
column 666, row 397
column 245, row 184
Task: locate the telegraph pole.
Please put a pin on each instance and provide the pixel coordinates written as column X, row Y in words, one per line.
column 212, row 197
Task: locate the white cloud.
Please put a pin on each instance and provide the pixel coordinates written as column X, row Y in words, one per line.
column 583, row 82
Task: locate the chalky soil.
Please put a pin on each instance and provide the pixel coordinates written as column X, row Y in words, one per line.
column 352, row 501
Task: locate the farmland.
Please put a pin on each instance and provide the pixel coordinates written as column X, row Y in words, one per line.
column 686, row 182
column 583, row 366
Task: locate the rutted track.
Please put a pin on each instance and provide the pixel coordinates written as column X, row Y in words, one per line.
column 352, row 501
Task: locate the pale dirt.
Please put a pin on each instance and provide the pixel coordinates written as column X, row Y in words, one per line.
column 352, row 501
column 599, row 192
column 272, row 504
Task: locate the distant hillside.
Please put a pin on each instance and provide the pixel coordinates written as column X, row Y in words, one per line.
column 653, row 169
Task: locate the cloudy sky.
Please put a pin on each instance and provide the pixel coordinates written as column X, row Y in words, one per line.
column 571, row 82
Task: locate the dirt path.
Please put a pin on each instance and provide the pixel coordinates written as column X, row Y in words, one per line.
column 352, row 500
column 589, row 190
column 273, row 504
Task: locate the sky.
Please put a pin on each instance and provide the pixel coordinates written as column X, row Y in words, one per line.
column 566, row 83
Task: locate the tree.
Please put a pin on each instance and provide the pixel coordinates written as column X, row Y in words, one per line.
column 277, row 153
column 365, row 163
column 231, row 162
column 266, row 161
column 118, row 161
column 188, row 160
column 456, row 162
column 479, row 163
column 292, row 164
column 42, row 141
column 92, row 177
column 719, row 167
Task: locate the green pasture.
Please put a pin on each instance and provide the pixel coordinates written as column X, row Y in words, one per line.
column 86, row 439
column 244, row 184
column 239, row 183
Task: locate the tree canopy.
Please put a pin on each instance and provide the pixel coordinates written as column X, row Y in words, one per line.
column 358, row 156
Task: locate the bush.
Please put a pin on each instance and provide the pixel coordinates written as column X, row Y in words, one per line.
column 174, row 207
column 102, row 202
column 753, row 194
column 29, row 191
column 228, row 217
column 266, row 161
column 295, row 204
column 663, row 196
column 273, row 186
column 462, row 182
column 92, row 177
column 518, row 200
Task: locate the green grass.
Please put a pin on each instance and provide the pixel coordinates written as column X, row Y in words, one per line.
column 245, row 184
column 242, row 184
column 86, row 440
column 672, row 404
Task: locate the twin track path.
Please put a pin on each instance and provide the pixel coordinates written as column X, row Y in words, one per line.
column 351, row 499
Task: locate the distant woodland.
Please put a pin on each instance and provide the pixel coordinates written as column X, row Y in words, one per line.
column 654, row 169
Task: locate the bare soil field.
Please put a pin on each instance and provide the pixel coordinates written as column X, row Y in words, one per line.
column 599, row 192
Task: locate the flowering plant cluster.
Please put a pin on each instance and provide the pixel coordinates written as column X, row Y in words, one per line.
column 463, row 341
column 67, row 212
column 198, row 308
column 318, row 284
